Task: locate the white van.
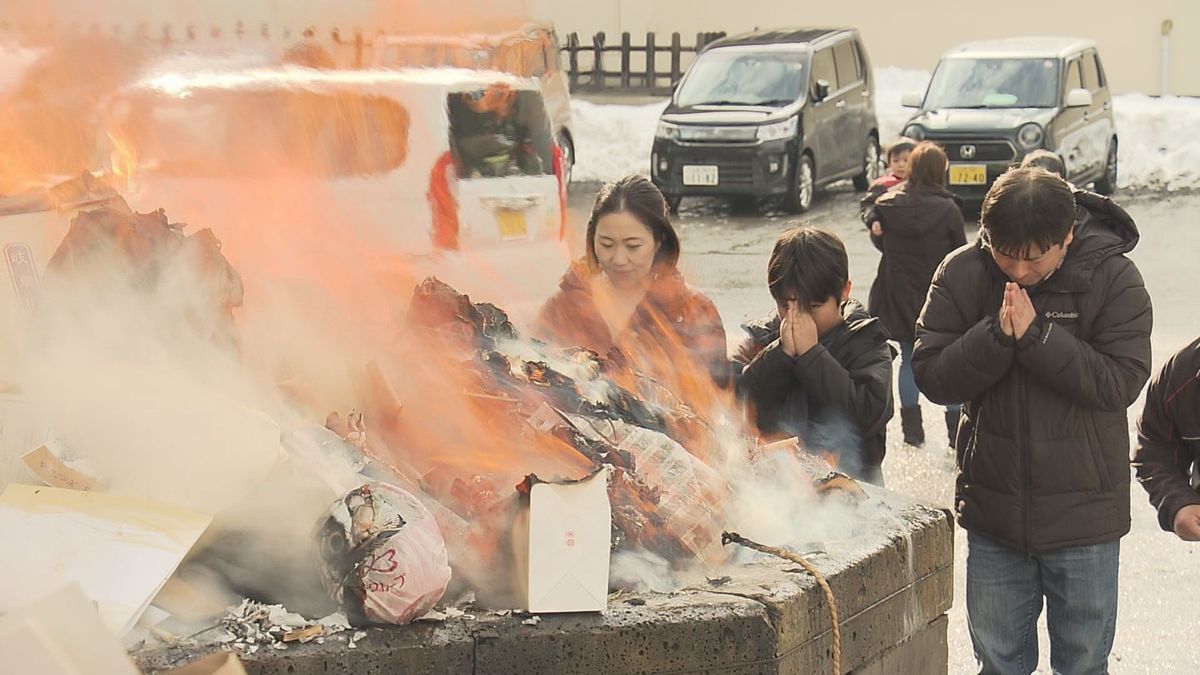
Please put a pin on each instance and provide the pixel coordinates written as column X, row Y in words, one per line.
column 531, row 51
column 423, row 162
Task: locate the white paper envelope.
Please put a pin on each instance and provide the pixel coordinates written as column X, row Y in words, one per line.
column 568, row 547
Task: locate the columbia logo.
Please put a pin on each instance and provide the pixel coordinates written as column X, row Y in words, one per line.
column 1062, row 315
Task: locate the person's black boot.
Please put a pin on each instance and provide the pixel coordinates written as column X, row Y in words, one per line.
column 910, row 422
column 952, row 415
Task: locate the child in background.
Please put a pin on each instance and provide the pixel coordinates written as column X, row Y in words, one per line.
column 897, row 173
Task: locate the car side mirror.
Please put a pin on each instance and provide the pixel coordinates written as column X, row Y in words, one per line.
column 911, row 100
column 822, row 91
column 1078, row 98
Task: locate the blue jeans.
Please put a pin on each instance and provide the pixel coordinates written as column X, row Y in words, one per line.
column 1004, row 599
column 909, row 394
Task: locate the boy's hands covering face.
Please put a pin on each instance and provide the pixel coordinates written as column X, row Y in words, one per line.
column 1016, row 312
column 797, row 330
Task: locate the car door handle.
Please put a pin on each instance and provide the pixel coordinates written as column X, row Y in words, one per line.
column 866, row 93
column 840, row 104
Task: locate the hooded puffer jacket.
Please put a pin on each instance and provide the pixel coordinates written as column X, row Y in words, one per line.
column 836, row 397
column 1044, row 440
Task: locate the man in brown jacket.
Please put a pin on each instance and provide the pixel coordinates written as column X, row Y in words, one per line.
column 1168, row 449
column 1043, row 328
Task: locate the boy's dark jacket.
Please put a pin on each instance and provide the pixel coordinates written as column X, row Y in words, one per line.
column 1043, row 446
column 1168, row 444
column 836, row 397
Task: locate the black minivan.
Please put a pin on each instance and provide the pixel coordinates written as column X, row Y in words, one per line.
column 770, row 114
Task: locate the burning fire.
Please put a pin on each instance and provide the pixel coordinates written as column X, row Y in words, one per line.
column 456, row 407
column 122, row 160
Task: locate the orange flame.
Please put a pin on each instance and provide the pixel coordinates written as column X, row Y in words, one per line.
column 123, row 160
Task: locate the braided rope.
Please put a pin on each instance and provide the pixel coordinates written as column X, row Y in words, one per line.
column 735, row 538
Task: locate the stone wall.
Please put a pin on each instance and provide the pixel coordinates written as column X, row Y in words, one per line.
column 770, row 618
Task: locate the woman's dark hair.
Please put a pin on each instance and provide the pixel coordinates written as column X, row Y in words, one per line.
column 809, row 264
column 900, row 145
column 927, row 166
column 1027, row 206
column 640, row 198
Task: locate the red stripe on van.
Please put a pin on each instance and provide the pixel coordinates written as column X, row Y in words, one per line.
column 442, row 203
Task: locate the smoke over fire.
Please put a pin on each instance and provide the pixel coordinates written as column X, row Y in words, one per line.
column 196, row 357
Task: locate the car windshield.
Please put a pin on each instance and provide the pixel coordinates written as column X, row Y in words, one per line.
column 994, row 83
column 738, row 77
column 499, row 132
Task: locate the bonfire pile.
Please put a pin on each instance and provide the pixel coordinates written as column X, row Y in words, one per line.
column 666, row 487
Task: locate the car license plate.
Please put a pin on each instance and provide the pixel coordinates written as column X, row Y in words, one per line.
column 968, row 174
column 512, row 224
column 700, row 175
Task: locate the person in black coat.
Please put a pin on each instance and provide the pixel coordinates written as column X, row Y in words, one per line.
column 919, row 223
column 1167, row 458
column 819, row 368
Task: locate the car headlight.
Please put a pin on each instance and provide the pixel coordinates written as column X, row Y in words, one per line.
column 778, row 130
column 666, row 130
column 915, row 132
column 1030, row 136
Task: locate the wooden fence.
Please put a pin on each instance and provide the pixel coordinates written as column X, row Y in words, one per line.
column 644, row 76
column 606, row 67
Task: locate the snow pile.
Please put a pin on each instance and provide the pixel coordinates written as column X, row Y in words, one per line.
column 612, row 140
column 1159, row 148
column 1159, row 142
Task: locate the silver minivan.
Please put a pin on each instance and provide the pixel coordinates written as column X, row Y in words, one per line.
column 991, row 103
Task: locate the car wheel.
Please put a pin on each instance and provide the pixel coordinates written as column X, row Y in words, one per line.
column 568, row 157
column 673, row 203
column 1107, row 184
column 800, row 198
column 872, row 165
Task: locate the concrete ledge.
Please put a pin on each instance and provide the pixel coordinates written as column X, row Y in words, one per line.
column 769, row 619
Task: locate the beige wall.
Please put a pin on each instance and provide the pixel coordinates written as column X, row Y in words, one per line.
column 1127, row 33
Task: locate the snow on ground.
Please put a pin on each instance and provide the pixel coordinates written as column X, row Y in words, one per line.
column 1159, row 137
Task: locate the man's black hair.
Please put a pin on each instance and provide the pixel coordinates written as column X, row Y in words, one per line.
column 1027, row 206
column 808, row 264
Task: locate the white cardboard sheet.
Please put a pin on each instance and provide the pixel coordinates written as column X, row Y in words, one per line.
column 119, row 550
